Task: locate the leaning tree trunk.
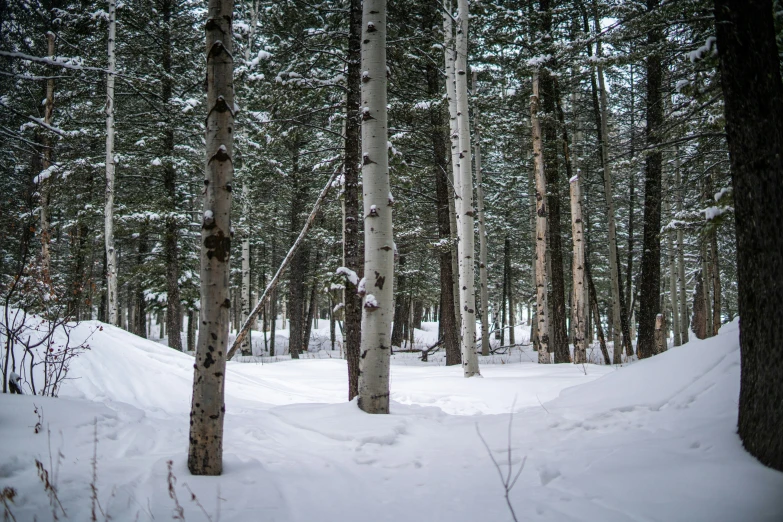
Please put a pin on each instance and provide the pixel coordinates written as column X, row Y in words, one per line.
column 352, row 324
column 205, row 455
column 483, row 284
column 378, row 240
column 753, row 95
column 111, row 252
column 650, row 285
column 542, row 314
column 466, row 245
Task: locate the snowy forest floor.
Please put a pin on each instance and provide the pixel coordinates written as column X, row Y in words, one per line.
column 653, row 440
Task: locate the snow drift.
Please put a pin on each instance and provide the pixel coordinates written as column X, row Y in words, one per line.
column 652, row 441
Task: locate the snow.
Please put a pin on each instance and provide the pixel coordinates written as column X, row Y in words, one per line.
column 349, row 274
column 370, row 301
column 655, row 440
column 699, row 53
column 711, row 213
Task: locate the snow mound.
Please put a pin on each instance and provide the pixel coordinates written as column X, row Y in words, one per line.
column 653, row 441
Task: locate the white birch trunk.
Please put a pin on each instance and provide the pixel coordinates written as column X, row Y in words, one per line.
column 205, row 454
column 466, row 245
column 111, row 252
column 449, row 57
column 484, row 291
column 245, row 291
column 378, row 309
column 542, row 312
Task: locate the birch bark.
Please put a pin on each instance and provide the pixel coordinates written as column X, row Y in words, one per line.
column 484, row 291
column 205, row 454
column 378, row 241
column 454, row 198
column 111, row 252
column 466, row 246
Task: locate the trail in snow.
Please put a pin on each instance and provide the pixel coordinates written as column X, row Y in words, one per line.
column 652, row 441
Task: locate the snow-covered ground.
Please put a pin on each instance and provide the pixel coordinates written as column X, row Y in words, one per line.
column 654, row 440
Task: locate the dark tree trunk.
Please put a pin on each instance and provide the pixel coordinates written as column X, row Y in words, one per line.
column 140, row 328
column 596, row 314
column 191, row 330
column 559, row 340
column 296, row 281
column 699, row 318
column 441, row 166
column 311, row 311
column 171, row 232
column 400, row 306
column 418, row 313
column 650, row 284
column 352, row 246
column 753, row 93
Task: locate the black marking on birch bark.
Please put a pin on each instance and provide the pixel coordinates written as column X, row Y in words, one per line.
column 208, row 360
column 212, row 24
column 373, row 212
column 221, row 155
column 470, row 213
column 367, row 160
column 364, row 354
column 227, row 303
column 214, row 336
column 218, row 246
column 371, row 27
column 385, row 248
column 214, row 417
column 366, row 78
column 379, row 280
column 541, row 211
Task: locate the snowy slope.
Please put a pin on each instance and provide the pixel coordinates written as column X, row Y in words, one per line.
column 652, row 441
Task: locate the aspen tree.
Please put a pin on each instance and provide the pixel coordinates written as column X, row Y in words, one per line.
column 378, row 241
column 484, row 291
column 111, row 252
column 205, row 454
column 454, row 199
column 466, row 245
